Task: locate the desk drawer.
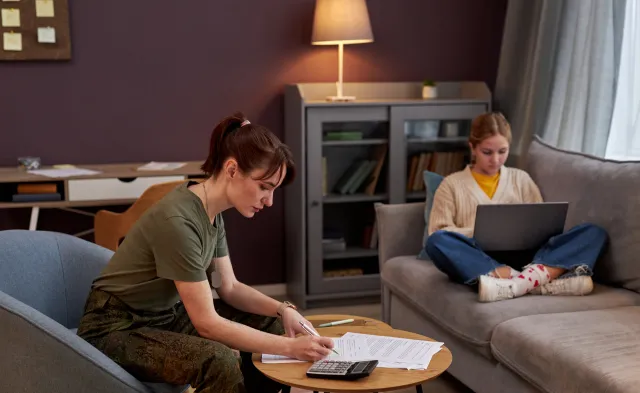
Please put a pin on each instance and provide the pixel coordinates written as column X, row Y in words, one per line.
column 106, row 189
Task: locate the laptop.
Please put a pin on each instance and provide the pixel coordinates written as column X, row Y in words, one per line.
column 518, row 227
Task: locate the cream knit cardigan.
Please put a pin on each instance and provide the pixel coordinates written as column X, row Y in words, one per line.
column 458, row 196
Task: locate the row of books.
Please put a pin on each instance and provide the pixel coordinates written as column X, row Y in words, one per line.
column 361, row 176
column 334, row 241
column 36, row 192
column 443, row 163
column 343, row 272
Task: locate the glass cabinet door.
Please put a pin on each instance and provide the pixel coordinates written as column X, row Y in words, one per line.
column 347, row 173
column 428, row 138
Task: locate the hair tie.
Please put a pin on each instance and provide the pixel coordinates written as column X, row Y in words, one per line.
column 244, row 123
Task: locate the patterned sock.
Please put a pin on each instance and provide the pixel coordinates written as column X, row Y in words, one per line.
column 531, row 277
column 513, row 274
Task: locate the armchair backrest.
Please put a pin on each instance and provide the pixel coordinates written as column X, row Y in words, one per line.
column 111, row 228
column 51, row 272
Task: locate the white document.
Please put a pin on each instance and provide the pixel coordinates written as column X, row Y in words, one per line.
column 63, row 172
column 161, row 166
column 396, row 352
column 352, row 348
column 390, row 352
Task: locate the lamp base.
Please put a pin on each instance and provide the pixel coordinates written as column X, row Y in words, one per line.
column 341, row 98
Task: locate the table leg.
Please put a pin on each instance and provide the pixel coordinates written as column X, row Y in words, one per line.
column 418, row 388
column 33, row 223
column 286, row 389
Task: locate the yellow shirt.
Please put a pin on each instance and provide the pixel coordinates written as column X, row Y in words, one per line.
column 489, row 184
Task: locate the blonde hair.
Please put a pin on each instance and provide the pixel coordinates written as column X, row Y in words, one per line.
column 488, row 125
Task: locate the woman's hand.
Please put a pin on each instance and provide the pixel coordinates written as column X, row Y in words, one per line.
column 305, row 347
column 309, row 348
column 291, row 322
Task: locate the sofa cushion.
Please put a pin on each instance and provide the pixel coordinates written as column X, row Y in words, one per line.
column 431, row 182
column 603, row 192
column 590, row 351
column 456, row 308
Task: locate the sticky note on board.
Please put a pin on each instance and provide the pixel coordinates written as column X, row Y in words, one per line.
column 47, row 35
column 10, row 17
column 12, row 41
column 44, row 9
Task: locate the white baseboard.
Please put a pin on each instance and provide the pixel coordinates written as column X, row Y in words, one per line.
column 269, row 290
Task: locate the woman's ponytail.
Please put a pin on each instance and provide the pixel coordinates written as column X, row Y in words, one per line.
column 218, row 150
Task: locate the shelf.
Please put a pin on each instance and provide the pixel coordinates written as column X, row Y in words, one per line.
column 417, row 195
column 344, row 295
column 359, row 142
column 351, row 278
column 337, row 198
column 457, row 139
column 352, row 252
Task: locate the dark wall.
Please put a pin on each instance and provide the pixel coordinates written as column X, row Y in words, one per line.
column 149, row 79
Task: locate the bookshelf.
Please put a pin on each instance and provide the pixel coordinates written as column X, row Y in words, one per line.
column 352, row 155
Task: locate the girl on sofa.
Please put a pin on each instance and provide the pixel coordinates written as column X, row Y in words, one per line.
column 563, row 266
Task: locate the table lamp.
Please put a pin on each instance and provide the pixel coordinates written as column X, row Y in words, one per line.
column 340, row 22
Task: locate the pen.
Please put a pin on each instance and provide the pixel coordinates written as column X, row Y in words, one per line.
column 336, row 323
column 311, row 332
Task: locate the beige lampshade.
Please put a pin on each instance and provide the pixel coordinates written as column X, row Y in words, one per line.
column 341, row 21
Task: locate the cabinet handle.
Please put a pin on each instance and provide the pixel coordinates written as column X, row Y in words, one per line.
column 315, row 203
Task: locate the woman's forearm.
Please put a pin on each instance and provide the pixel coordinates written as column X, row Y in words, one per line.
column 248, row 299
column 245, row 338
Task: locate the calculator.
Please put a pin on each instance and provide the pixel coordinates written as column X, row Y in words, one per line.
column 341, row 369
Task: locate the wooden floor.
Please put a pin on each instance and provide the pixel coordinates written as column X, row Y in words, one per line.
column 443, row 384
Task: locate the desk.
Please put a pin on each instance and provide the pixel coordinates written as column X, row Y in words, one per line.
column 116, row 184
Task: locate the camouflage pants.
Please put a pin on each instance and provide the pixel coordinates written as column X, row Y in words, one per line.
column 165, row 347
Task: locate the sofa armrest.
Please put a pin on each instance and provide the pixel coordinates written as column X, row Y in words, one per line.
column 40, row 355
column 400, row 230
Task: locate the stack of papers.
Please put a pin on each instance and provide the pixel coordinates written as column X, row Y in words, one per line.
column 390, row 352
column 65, row 172
column 161, row 166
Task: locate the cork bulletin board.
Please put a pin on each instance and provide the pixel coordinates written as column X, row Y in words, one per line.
column 34, row 30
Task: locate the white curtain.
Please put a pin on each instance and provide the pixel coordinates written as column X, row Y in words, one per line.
column 558, row 72
column 584, row 82
column 624, row 136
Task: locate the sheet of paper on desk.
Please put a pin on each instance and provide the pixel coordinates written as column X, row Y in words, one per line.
column 396, row 352
column 66, row 172
column 352, row 348
column 161, row 166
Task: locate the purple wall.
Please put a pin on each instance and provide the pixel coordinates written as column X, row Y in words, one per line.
column 148, row 80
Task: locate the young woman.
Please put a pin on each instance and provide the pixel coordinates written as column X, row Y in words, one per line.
column 563, row 266
column 151, row 309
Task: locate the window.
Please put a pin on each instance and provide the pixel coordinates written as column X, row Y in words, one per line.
column 624, row 135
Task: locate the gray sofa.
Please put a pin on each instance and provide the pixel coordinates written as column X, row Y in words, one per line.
column 534, row 343
column 44, row 280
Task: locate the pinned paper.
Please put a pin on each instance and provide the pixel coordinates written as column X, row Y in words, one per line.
column 44, row 9
column 12, row 41
column 10, row 17
column 47, row 35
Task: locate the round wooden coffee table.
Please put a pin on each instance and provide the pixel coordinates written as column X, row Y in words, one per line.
column 380, row 380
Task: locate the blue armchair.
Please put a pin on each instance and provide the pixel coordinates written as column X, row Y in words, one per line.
column 45, row 279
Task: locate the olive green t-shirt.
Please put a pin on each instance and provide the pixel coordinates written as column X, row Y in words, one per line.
column 172, row 240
